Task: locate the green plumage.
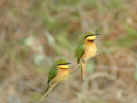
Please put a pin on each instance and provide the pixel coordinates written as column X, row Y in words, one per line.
column 53, row 70
column 52, row 73
column 80, row 48
column 79, row 52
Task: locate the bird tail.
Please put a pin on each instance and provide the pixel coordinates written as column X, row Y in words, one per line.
column 83, row 71
column 48, row 90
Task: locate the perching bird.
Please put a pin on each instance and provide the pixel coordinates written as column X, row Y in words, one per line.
column 58, row 73
column 85, row 51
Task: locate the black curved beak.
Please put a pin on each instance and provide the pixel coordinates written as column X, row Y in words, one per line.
column 70, row 64
column 100, row 37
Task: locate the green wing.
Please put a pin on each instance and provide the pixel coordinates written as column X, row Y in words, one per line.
column 79, row 52
column 52, row 73
column 53, row 70
column 80, row 48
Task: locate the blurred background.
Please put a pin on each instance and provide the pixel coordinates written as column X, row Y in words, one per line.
column 35, row 33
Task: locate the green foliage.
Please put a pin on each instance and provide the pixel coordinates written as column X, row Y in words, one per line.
column 50, row 23
column 68, row 2
column 63, row 41
column 115, row 4
column 91, row 67
column 108, row 43
column 130, row 39
column 91, row 3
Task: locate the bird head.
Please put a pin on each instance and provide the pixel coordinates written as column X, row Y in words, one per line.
column 90, row 37
column 62, row 64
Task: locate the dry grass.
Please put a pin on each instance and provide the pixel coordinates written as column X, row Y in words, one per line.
column 33, row 34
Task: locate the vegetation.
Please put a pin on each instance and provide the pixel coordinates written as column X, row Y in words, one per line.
column 35, row 33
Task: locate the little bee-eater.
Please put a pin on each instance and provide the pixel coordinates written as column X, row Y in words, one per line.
column 85, row 51
column 58, row 73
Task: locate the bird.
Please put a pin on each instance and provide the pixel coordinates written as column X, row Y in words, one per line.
column 59, row 72
column 85, row 51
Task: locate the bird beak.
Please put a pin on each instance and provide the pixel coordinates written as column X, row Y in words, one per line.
column 68, row 63
column 100, row 37
column 70, row 66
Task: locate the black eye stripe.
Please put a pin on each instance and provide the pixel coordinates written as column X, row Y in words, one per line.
column 89, row 35
column 64, row 63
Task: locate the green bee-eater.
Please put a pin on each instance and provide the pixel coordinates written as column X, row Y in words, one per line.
column 85, row 51
column 58, row 73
